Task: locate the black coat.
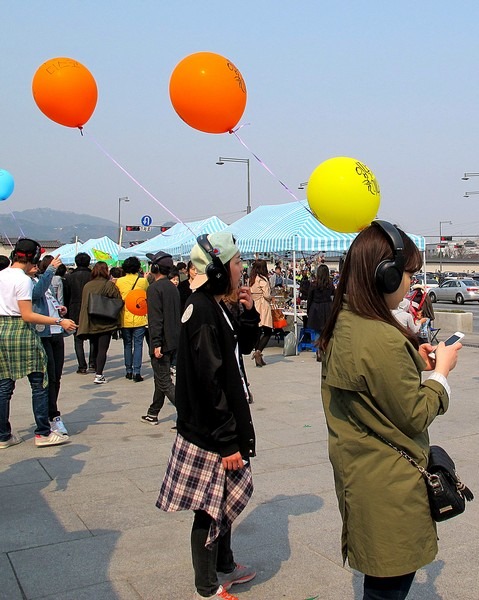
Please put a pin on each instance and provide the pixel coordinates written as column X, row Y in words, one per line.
column 163, row 315
column 73, row 289
column 319, row 307
column 213, row 412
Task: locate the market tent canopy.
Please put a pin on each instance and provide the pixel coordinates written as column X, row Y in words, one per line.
column 291, row 226
column 285, row 227
column 177, row 241
column 102, row 248
column 66, row 251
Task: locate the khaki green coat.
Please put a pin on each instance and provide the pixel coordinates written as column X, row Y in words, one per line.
column 88, row 325
column 371, row 382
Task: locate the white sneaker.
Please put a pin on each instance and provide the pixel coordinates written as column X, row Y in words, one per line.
column 221, row 594
column 12, row 441
column 54, row 439
column 99, row 379
column 58, row 426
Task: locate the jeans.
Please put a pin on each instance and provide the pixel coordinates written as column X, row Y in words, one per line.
column 208, row 561
column 164, row 386
column 133, row 348
column 387, row 588
column 39, row 405
column 55, row 350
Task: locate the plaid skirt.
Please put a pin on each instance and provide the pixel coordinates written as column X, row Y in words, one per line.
column 196, row 480
column 21, row 350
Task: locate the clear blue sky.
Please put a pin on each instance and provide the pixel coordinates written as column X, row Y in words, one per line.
column 393, row 84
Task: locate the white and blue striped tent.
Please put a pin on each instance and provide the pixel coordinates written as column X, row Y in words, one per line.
column 290, row 227
column 104, row 244
column 66, row 252
column 177, row 241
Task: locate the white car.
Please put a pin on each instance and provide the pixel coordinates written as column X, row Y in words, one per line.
column 456, row 290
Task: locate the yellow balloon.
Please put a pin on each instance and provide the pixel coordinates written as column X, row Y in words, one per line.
column 343, row 194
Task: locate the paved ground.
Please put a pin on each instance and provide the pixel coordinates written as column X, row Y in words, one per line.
column 79, row 521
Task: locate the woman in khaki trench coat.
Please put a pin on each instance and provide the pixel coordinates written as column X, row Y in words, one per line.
column 261, row 293
column 371, row 387
column 97, row 329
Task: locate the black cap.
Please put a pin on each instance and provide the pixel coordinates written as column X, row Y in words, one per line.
column 29, row 249
column 161, row 258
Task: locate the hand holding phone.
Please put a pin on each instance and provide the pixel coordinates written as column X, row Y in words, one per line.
column 455, row 337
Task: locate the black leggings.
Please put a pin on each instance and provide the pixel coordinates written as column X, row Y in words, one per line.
column 100, row 342
column 263, row 339
column 387, row 588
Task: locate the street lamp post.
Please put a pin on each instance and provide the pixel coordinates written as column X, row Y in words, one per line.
column 120, row 200
column 441, row 223
column 222, row 160
column 465, row 178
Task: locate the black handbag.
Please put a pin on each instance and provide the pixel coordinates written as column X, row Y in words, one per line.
column 103, row 307
column 447, row 494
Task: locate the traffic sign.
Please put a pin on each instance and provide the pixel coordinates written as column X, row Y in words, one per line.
column 146, row 220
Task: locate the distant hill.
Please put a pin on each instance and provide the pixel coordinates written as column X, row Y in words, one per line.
column 64, row 226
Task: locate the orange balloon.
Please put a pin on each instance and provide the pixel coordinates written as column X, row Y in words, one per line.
column 135, row 302
column 65, row 91
column 208, row 92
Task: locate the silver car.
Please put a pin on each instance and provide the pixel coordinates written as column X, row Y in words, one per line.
column 456, row 290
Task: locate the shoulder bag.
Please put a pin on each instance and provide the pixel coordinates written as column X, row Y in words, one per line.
column 447, row 494
column 279, row 320
column 103, row 307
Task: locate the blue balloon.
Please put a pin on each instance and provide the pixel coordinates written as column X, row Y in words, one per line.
column 6, row 184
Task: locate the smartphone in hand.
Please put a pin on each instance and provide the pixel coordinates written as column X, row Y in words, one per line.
column 455, row 337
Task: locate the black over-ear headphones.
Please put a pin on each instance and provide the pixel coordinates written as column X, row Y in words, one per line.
column 389, row 273
column 32, row 258
column 215, row 271
column 154, row 268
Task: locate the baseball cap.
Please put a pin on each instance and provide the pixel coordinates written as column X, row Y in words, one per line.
column 26, row 248
column 224, row 248
column 160, row 258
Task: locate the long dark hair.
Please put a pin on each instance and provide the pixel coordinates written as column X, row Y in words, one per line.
column 258, row 269
column 358, row 280
column 323, row 281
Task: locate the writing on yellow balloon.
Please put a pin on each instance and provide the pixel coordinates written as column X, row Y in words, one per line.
column 369, row 180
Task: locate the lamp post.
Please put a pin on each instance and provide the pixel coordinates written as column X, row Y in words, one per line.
column 222, row 160
column 467, row 175
column 120, row 200
column 441, row 223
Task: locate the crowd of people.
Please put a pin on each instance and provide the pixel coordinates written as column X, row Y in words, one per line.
column 202, row 318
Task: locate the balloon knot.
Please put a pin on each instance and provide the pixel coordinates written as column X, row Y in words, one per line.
column 81, row 129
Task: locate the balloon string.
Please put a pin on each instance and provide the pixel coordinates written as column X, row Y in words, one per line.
column 16, row 223
column 108, row 155
column 8, row 240
column 265, row 166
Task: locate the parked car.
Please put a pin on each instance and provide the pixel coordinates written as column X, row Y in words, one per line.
column 456, row 290
column 430, row 281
